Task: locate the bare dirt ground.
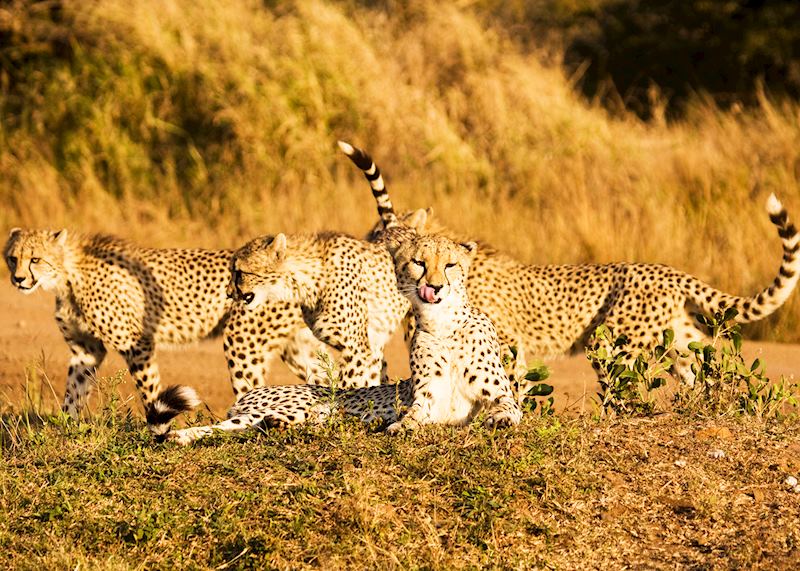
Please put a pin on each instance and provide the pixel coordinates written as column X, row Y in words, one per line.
column 29, row 338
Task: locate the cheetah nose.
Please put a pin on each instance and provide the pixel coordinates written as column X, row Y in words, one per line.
column 18, row 279
column 248, row 297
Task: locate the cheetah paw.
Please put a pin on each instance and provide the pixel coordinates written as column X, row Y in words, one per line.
column 395, row 428
column 503, row 419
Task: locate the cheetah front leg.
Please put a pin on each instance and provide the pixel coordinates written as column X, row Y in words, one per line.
column 493, row 389
column 342, row 323
column 425, row 373
column 253, row 338
column 88, row 353
column 301, row 354
column 141, row 360
column 503, row 411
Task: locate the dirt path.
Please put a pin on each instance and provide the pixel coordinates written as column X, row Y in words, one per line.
column 29, row 338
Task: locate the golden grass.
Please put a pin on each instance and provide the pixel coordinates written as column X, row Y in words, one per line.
column 177, row 122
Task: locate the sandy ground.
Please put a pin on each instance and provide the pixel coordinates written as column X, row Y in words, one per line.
column 29, row 338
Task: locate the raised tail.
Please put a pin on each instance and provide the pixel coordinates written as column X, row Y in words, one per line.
column 373, row 174
column 171, row 402
column 710, row 300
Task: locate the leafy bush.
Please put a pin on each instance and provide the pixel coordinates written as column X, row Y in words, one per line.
column 724, row 383
column 627, row 381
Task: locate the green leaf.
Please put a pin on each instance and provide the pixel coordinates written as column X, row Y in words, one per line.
column 538, row 374
column 540, row 390
column 696, row 346
column 703, row 320
column 729, row 314
column 669, row 337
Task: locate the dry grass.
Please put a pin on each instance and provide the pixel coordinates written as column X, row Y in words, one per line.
column 550, row 493
column 176, row 122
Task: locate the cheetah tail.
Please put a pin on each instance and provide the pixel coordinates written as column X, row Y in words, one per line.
column 171, row 402
column 769, row 299
column 373, row 174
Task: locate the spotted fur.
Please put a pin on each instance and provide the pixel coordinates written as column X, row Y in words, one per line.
column 456, row 366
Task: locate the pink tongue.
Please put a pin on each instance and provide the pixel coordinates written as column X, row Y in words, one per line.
column 427, row 293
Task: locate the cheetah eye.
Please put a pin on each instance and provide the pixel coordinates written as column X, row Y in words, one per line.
column 419, row 263
column 35, row 260
column 450, row 265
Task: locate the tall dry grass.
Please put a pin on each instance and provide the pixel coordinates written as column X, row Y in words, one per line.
column 178, row 122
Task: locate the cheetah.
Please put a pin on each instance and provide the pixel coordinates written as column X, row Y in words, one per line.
column 112, row 294
column 553, row 310
column 344, row 286
column 455, row 362
column 456, row 365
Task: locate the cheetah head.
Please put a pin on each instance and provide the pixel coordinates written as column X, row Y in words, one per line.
column 260, row 271
column 433, row 269
column 35, row 259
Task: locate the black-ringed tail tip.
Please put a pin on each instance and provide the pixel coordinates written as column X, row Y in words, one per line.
column 757, row 306
column 171, row 402
column 373, row 174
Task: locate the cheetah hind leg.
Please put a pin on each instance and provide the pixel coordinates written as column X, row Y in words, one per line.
column 235, row 424
column 685, row 332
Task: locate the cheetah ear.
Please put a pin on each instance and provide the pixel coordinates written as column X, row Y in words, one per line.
column 471, row 248
column 14, row 231
column 418, row 219
column 279, row 246
column 60, row 237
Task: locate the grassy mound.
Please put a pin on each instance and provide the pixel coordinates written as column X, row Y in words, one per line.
column 565, row 494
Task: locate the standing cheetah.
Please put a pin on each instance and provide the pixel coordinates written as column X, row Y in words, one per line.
column 110, row 293
column 553, row 310
column 455, row 362
column 344, row 286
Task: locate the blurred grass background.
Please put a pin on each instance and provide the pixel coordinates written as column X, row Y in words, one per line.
column 174, row 122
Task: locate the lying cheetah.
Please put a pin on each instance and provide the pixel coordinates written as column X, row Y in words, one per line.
column 110, row 293
column 553, row 310
column 455, row 363
column 344, row 286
